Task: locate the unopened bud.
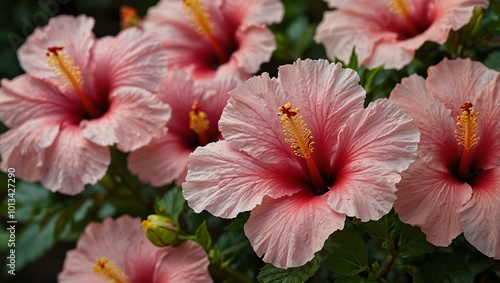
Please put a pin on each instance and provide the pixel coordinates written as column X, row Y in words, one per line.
column 161, row 230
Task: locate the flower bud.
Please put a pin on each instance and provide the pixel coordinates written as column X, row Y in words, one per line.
column 161, row 230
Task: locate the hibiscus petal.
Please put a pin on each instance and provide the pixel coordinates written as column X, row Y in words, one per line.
column 185, row 263
column 429, row 199
column 250, row 120
column 162, row 161
column 256, row 45
column 225, row 182
column 254, row 12
column 132, row 58
column 327, row 95
column 73, row 161
column 26, row 97
column 23, row 148
column 364, row 189
column 74, row 33
column 487, row 151
column 133, row 119
column 455, row 82
column 480, row 217
column 438, row 146
column 289, row 230
column 381, row 132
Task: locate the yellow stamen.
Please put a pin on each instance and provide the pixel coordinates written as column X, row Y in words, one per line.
column 199, row 16
column 109, row 271
column 467, row 136
column 70, row 76
column 198, row 122
column 402, row 9
column 299, row 136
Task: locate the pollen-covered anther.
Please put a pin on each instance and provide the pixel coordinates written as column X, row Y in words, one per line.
column 199, row 123
column 63, row 66
column 70, row 76
column 296, row 132
column 109, row 271
column 197, row 12
column 467, row 133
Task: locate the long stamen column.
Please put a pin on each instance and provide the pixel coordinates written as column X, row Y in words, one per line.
column 198, row 14
column 109, row 271
column 70, row 76
column 300, row 139
column 402, row 8
column 467, row 136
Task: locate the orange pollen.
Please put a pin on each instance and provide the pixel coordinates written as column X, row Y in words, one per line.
column 466, row 132
column 402, row 9
column 197, row 12
column 199, row 123
column 128, row 17
column 69, row 75
column 109, row 271
column 299, row 136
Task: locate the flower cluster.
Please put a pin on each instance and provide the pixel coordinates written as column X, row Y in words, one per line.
column 318, row 162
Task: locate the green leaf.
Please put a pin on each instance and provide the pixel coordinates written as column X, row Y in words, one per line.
column 493, row 61
column 378, row 229
column 272, row 274
column 412, row 242
column 413, row 271
column 434, row 274
column 352, row 279
column 203, row 236
column 455, row 266
column 171, row 204
column 349, row 255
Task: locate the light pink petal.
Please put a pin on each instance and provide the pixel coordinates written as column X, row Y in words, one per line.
column 381, row 132
column 429, row 199
column 480, row 217
column 364, row 189
column 391, row 55
column 438, row 146
column 73, row 161
column 224, row 181
column 162, row 161
column 113, row 239
column 327, row 95
column 133, row 119
column 455, row 82
column 23, row 148
column 256, row 45
column 26, row 98
column 186, row 263
column 250, row 121
column 457, row 13
column 254, row 12
column 487, row 150
column 289, row 230
column 132, row 58
column 342, row 32
column 74, row 33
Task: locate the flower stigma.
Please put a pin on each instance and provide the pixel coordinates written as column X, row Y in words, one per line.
column 402, row 8
column 197, row 12
column 299, row 136
column 198, row 122
column 466, row 134
column 70, row 76
column 109, row 271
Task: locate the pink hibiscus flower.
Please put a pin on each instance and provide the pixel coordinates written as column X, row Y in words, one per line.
column 217, row 36
column 79, row 96
column 196, row 109
column 301, row 173
column 388, row 32
column 454, row 184
column 118, row 251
